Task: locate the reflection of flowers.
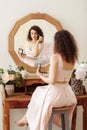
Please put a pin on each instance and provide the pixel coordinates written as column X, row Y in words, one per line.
column 48, row 50
column 22, row 71
column 80, row 72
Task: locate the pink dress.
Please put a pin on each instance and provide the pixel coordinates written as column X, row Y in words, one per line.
column 46, row 97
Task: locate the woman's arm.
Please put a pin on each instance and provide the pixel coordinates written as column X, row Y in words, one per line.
column 27, row 57
column 51, row 79
column 26, row 52
column 38, row 48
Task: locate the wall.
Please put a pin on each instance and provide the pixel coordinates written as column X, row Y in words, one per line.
column 71, row 13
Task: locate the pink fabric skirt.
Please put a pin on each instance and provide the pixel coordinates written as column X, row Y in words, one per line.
column 44, row 99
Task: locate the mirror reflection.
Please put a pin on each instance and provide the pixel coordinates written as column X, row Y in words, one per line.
column 33, row 46
column 29, row 52
column 41, row 32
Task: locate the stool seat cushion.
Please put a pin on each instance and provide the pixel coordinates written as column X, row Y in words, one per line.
column 62, row 108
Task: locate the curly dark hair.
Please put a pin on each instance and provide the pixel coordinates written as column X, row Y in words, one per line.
column 37, row 29
column 65, row 45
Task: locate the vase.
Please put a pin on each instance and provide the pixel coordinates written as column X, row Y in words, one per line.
column 77, row 86
column 9, row 88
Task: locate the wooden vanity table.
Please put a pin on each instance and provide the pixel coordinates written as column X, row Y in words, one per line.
column 32, row 80
column 21, row 100
column 81, row 101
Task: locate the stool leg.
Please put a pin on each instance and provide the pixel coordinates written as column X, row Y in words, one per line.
column 63, row 121
column 67, row 121
column 50, row 122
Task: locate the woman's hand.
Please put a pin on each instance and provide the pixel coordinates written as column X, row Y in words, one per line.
column 40, row 40
column 23, row 55
column 38, row 72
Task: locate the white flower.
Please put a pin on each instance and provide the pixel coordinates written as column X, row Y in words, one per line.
column 81, row 71
column 84, row 66
column 7, row 77
column 24, row 73
column 14, row 76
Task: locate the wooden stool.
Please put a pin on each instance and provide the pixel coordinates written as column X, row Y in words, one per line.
column 64, row 117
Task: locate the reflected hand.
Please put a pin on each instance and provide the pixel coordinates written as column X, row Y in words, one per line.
column 22, row 55
column 40, row 39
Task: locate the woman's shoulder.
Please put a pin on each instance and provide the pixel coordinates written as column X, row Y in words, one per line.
column 55, row 57
column 26, row 43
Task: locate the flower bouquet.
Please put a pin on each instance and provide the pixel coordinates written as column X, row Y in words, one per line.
column 13, row 77
column 78, row 76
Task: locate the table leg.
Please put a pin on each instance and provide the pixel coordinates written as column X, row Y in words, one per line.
column 85, row 115
column 6, row 117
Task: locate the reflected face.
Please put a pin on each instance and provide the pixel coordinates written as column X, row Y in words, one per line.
column 34, row 35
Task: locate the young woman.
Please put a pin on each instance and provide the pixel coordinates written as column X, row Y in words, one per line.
column 33, row 46
column 58, row 92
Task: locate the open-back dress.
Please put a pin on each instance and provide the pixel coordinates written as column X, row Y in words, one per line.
column 46, row 97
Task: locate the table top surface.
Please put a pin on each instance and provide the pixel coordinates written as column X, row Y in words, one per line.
column 25, row 97
column 82, row 96
column 18, row 97
column 34, row 76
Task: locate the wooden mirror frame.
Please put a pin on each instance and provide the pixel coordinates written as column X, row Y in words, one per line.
column 17, row 25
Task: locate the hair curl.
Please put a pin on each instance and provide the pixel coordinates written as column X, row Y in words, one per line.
column 65, row 45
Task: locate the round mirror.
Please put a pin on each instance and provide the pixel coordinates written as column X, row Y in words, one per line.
column 18, row 37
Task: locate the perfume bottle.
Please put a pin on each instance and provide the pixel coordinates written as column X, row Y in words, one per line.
column 20, row 51
column 39, row 67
